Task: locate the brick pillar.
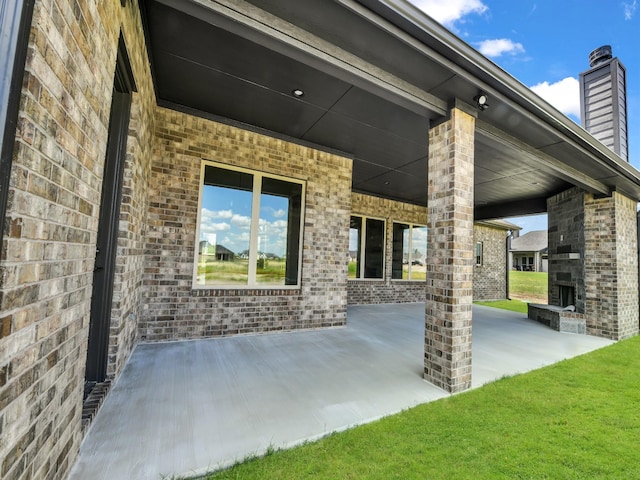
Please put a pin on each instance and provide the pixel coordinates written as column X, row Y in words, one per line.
column 450, row 253
column 611, row 266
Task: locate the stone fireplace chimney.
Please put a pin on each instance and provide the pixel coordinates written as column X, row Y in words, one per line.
column 603, row 100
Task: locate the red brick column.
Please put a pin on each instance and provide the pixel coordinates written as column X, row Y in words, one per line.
column 450, row 253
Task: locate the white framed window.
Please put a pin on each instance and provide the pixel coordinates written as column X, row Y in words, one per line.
column 479, row 253
column 409, row 252
column 249, row 229
column 366, row 247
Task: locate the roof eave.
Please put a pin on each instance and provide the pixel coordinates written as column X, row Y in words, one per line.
column 511, row 88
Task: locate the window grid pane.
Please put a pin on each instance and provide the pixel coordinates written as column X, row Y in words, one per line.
column 355, row 242
column 366, row 248
column 419, row 253
column 249, row 229
column 374, row 249
column 400, row 254
column 278, row 232
column 225, row 231
column 409, row 252
column 479, row 253
column 407, row 259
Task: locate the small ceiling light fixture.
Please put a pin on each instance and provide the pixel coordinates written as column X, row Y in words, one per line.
column 298, row 93
column 481, row 101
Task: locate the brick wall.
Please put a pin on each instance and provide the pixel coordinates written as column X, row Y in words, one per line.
column 593, row 248
column 173, row 310
column 130, row 258
column 489, row 279
column 386, row 290
column 50, row 233
column 611, row 266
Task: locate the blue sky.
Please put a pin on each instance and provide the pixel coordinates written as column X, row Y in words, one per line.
column 545, row 44
column 226, row 220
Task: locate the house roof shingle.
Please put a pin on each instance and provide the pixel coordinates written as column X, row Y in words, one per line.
column 535, row 241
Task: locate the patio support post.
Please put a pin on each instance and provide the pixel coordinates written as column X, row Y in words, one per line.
column 611, row 266
column 450, row 251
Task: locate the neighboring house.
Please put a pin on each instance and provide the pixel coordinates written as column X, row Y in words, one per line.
column 132, row 129
column 220, row 252
column 224, row 254
column 530, row 252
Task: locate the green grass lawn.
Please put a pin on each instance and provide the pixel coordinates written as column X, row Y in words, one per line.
column 528, row 284
column 575, row 419
column 513, row 305
column 531, row 286
column 236, row 271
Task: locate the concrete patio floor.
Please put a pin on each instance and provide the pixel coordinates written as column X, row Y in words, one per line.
column 183, row 408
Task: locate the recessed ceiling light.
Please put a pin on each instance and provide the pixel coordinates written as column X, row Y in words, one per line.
column 298, row 93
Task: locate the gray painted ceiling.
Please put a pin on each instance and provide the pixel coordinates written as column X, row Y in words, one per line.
column 199, row 65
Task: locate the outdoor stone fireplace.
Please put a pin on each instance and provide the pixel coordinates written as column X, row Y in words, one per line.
column 593, row 260
column 567, row 295
column 566, row 250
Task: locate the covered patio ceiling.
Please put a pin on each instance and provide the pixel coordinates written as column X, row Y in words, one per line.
column 374, row 75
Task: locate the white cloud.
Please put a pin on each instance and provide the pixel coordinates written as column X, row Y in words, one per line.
column 209, row 230
column 208, row 216
column 267, row 225
column 206, row 213
column 448, row 12
column 240, row 221
column 215, row 227
column 500, row 46
column 279, row 213
column 630, row 9
column 564, row 95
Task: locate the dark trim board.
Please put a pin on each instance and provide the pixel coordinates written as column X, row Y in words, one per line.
column 107, row 240
column 15, row 23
